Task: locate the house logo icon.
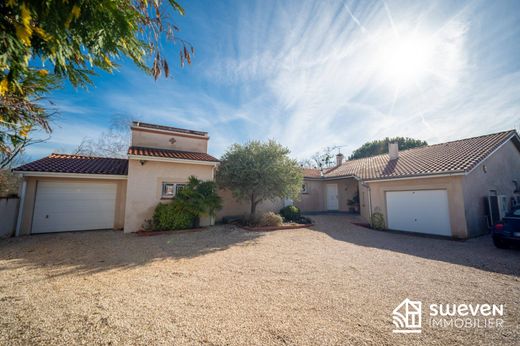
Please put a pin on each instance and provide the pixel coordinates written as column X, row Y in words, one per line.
column 407, row 317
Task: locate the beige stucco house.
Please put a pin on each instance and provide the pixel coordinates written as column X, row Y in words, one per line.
column 455, row 189
column 73, row 192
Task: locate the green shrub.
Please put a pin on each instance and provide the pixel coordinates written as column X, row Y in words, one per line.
column 378, row 221
column 172, row 216
column 290, row 213
column 200, row 197
column 196, row 198
column 270, row 219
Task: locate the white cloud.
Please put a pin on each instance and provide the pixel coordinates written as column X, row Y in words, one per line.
column 320, row 65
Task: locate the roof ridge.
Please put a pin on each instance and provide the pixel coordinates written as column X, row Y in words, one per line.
column 429, row 145
column 85, row 156
column 464, row 139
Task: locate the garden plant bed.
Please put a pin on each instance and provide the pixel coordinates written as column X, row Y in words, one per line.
column 276, row 228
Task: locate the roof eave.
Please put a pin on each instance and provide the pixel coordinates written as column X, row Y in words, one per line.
column 419, row 176
column 172, row 160
column 71, row 175
column 333, row 178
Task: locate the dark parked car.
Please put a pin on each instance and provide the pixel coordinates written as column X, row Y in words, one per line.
column 507, row 232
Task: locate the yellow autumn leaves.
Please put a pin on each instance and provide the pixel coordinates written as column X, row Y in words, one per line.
column 4, row 86
column 74, row 14
column 24, row 131
column 24, row 30
column 107, row 61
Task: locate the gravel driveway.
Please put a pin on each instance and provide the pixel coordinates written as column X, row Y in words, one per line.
column 334, row 284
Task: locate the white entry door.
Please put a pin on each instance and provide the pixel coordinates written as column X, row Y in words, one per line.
column 421, row 211
column 332, row 196
column 73, row 206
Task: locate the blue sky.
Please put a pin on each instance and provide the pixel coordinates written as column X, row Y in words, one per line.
column 316, row 74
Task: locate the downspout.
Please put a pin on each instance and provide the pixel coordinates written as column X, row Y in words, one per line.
column 211, row 217
column 369, row 201
column 369, row 204
column 20, row 208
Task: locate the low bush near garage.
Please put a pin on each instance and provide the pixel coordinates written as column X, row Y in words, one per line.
column 378, row 221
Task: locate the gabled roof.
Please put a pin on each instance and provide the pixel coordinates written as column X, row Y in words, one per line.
column 65, row 163
column 138, row 124
column 170, row 154
column 454, row 157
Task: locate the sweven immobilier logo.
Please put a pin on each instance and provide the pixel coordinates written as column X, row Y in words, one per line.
column 408, row 316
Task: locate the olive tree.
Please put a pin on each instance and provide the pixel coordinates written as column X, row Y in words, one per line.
column 258, row 171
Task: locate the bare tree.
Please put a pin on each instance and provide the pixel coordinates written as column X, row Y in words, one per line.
column 112, row 143
column 321, row 159
column 15, row 156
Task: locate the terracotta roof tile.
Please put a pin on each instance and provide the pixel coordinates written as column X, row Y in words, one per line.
column 65, row 163
column 451, row 157
column 311, row 172
column 171, row 154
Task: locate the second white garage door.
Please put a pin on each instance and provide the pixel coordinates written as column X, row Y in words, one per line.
column 421, row 211
column 73, row 206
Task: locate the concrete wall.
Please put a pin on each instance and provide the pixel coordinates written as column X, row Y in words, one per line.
column 8, row 215
column 232, row 207
column 30, row 195
column 364, row 202
column 315, row 199
column 347, row 189
column 160, row 139
column 145, row 187
column 452, row 184
column 495, row 173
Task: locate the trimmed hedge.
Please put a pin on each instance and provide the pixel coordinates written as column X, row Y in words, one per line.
column 172, row 216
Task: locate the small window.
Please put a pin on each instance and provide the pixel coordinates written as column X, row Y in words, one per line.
column 304, row 188
column 168, row 190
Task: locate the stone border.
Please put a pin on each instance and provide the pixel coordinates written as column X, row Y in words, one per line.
column 275, row 228
column 142, row 233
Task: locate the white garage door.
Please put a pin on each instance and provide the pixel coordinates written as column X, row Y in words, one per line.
column 422, row 211
column 67, row 206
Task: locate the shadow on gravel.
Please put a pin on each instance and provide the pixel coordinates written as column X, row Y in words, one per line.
column 476, row 252
column 97, row 251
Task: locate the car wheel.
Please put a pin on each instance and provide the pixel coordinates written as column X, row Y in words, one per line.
column 500, row 243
